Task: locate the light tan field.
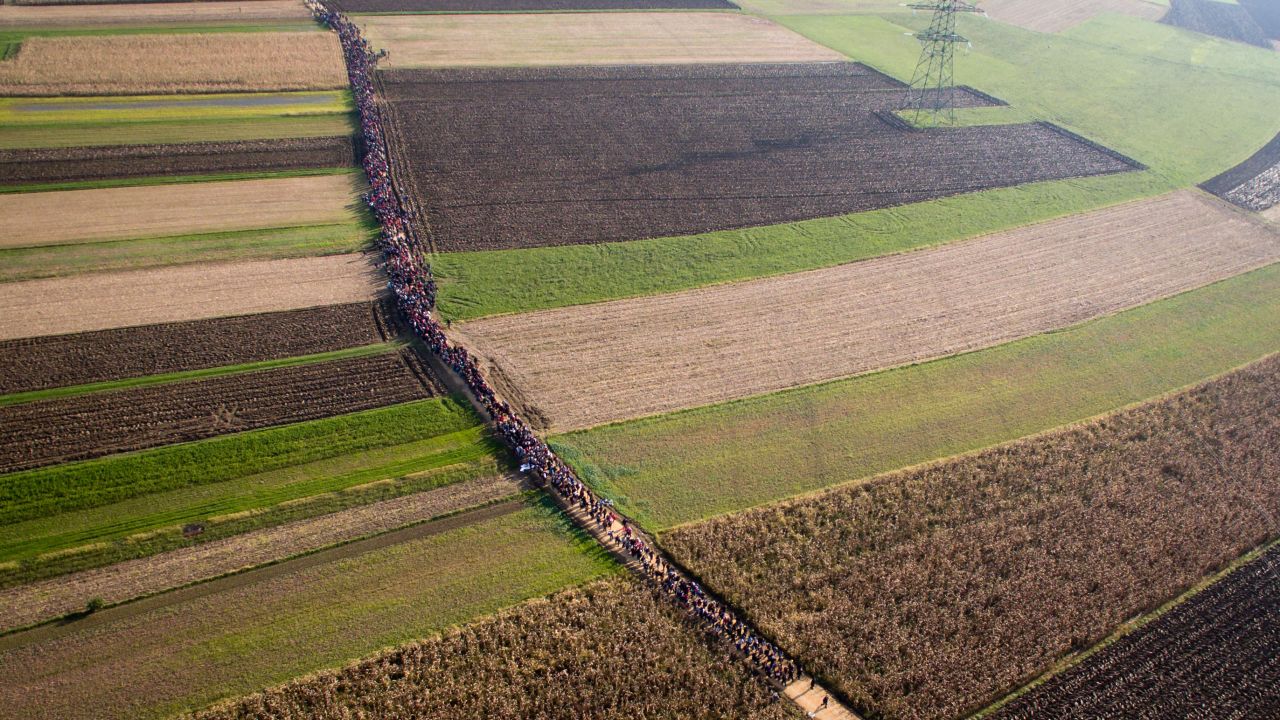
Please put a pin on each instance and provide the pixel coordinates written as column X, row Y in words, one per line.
column 127, row 213
column 1051, row 16
column 143, row 64
column 98, row 301
column 1273, row 214
column 610, row 38
column 151, row 13
column 27, row 604
column 582, row 366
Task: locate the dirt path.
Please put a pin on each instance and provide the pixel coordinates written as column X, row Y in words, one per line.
column 586, row 365
column 46, row 633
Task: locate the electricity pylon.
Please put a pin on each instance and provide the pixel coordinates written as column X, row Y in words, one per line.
column 932, row 94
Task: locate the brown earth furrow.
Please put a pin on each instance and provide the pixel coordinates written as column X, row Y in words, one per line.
column 46, row 362
column 29, row 604
column 86, row 426
column 102, row 301
column 591, row 364
column 26, row 16
column 47, row 165
column 1051, row 16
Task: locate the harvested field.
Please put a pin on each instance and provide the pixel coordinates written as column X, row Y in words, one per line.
column 29, row 604
column 47, row 432
column 253, row 633
column 78, row 216
column 595, row 638
column 47, row 362
column 586, row 39
column 1211, row 656
column 49, row 165
column 581, row 366
column 1051, row 16
column 532, row 157
column 158, row 13
column 932, row 592
column 472, row 6
column 194, row 292
column 174, row 63
column 1253, row 184
column 1220, row 19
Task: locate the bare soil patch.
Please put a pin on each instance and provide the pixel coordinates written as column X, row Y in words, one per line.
column 44, row 165
column 101, row 301
column 133, row 14
column 46, row 432
column 555, row 156
column 175, row 63
column 126, row 213
column 1051, row 16
column 591, row 364
column 586, row 39
column 1253, row 184
column 471, row 6
column 1220, row 19
column 29, row 604
column 76, row 359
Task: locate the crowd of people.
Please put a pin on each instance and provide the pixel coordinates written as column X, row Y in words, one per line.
column 411, row 282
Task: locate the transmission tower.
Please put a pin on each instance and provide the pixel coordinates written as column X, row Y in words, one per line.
column 932, row 94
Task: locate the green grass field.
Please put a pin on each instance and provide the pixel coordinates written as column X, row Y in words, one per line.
column 1185, row 116
column 245, row 638
column 690, row 465
column 172, row 131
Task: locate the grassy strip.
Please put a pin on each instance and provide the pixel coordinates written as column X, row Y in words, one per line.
column 264, row 244
column 173, row 131
column 690, row 465
column 34, row 395
column 244, row 638
column 46, row 111
column 48, row 491
column 171, row 179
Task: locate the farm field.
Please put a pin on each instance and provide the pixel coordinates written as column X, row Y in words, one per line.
column 469, row 6
column 1211, row 654
column 614, row 38
column 776, row 143
column 33, row 364
column 591, row 364
column 172, row 63
column 57, row 430
column 80, row 216
column 1253, row 184
column 248, row 633
column 931, row 592
column 1051, row 17
column 145, row 14
column 590, row 628
column 102, row 301
column 691, row 465
column 28, row 604
column 1230, row 21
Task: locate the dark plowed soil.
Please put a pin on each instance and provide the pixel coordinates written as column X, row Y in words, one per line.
column 531, row 157
column 79, row 358
column 1232, row 22
column 1214, row 656
column 1266, row 13
column 358, row 6
column 45, row 165
column 1253, row 184
column 85, row 426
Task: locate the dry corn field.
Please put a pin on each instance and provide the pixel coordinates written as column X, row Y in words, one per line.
column 608, row 650
column 932, row 592
column 180, row 63
column 582, row 366
column 1051, row 16
column 150, row 13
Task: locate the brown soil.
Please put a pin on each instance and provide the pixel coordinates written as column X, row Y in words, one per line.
column 29, row 604
column 48, row 362
column 471, row 6
column 46, row 432
column 160, row 63
column 18, row 167
column 586, row 365
column 135, row 14
column 127, row 213
column 1051, row 16
column 142, row 297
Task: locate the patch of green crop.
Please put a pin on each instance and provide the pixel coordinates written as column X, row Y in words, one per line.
column 147, row 132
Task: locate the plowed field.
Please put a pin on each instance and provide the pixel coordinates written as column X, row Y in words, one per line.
column 47, row 362
column 1051, row 16
column 531, row 157
column 1224, row 20
column 1253, row 184
column 193, row 292
column 46, row 165
column 46, row 432
column 581, row 366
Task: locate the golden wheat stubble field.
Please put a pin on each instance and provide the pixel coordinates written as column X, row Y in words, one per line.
column 178, row 63
column 582, row 366
column 28, row 16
